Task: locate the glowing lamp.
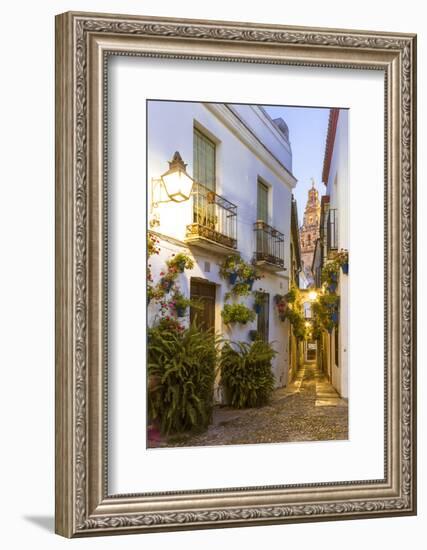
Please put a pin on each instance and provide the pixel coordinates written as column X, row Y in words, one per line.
column 178, row 184
column 312, row 295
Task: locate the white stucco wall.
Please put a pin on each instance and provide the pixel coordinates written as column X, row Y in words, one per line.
column 240, row 161
column 338, row 191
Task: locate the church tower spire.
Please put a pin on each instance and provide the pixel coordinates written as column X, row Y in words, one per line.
column 309, row 231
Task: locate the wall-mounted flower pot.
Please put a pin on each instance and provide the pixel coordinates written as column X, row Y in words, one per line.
column 344, row 268
column 282, row 317
column 253, row 335
column 332, row 287
column 334, row 277
column 232, row 278
column 257, row 308
column 180, row 311
column 335, row 317
column 180, row 266
column 166, row 284
column 250, row 283
column 148, row 300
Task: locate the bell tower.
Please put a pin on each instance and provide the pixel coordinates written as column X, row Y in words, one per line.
column 309, row 231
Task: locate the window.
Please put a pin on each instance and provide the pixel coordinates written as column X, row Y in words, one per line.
column 262, row 202
column 204, row 153
column 263, row 318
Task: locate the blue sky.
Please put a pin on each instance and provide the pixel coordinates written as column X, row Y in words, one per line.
column 307, row 134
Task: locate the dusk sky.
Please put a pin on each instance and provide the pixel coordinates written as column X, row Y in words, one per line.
column 307, row 134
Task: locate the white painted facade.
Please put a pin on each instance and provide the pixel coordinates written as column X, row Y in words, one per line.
column 337, row 187
column 249, row 148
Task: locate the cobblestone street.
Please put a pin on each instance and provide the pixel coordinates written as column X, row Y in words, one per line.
column 308, row 410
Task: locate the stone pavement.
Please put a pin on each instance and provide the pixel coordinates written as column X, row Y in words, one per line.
column 308, row 410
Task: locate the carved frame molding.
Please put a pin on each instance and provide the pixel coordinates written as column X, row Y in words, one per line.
column 83, row 43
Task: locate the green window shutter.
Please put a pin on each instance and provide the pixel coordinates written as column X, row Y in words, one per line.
column 262, row 202
column 263, row 320
column 204, row 160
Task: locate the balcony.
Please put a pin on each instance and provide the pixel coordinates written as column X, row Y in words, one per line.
column 270, row 247
column 214, row 226
column 332, row 231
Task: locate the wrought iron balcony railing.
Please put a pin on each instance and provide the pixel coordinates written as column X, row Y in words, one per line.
column 332, row 242
column 214, row 218
column 270, row 245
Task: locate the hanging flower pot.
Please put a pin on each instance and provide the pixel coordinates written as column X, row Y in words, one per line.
column 332, row 287
column 257, row 308
column 232, row 278
column 333, row 276
column 344, row 268
column 250, row 283
column 335, row 317
column 253, row 335
column 166, row 284
column 180, row 266
column 180, row 311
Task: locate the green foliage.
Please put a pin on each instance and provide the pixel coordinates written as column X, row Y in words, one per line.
column 297, row 320
column 292, row 295
column 323, row 311
column 235, row 264
column 330, row 272
column 183, row 364
column 237, row 313
column 342, row 256
column 180, row 262
column 259, row 297
column 246, row 374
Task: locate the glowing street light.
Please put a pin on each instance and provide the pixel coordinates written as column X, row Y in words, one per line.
column 312, row 295
column 178, row 184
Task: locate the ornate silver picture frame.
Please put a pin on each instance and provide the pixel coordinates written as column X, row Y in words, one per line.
column 84, row 42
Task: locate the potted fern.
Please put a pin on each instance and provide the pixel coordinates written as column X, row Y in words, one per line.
column 237, row 313
column 246, row 374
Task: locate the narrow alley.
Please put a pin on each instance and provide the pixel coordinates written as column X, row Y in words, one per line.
column 308, row 410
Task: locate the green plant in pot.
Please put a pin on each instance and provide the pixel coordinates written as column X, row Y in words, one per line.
column 330, row 272
column 229, row 268
column 259, row 300
column 183, row 362
column 246, row 373
column 180, row 262
column 237, row 313
column 342, row 259
column 248, row 274
column 237, row 271
column 180, row 303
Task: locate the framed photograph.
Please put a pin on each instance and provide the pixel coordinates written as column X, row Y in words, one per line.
column 235, row 274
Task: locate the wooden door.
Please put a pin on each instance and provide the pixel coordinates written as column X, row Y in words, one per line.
column 204, row 293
